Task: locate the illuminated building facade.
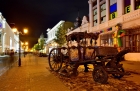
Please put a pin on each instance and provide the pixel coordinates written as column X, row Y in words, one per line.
column 51, row 35
column 8, row 40
column 104, row 15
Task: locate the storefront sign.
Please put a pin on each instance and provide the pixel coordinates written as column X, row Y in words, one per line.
column 127, row 9
column 113, row 15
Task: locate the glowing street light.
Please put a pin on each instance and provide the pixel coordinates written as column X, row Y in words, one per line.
column 25, row 30
column 18, row 32
column 14, row 30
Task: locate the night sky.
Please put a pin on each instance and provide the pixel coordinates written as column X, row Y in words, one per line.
column 39, row 15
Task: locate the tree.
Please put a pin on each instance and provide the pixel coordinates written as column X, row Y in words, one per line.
column 61, row 33
column 60, row 36
column 41, row 43
column 37, row 47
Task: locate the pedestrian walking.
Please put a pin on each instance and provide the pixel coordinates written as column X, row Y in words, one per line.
column 11, row 57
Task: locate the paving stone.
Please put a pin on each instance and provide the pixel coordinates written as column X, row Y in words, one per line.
column 31, row 76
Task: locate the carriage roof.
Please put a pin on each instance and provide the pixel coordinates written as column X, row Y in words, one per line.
column 81, row 35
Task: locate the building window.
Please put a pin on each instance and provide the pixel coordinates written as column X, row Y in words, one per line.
column 11, row 43
column 103, row 13
column 101, row 0
column 95, row 17
column 137, row 4
column 127, row 6
column 113, row 2
column 113, row 9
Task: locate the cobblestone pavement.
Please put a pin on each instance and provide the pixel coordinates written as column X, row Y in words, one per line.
column 31, row 76
column 84, row 82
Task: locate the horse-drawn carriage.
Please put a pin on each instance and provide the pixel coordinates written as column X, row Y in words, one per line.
column 82, row 50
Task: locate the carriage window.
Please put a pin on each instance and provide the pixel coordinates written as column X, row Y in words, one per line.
column 72, row 43
column 69, row 44
column 106, row 39
column 82, row 42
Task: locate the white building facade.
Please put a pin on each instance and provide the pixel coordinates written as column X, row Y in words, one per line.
column 8, row 40
column 51, row 35
column 105, row 14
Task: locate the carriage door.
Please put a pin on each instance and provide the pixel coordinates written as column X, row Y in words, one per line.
column 132, row 40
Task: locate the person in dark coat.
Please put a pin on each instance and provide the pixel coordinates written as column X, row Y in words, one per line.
column 11, row 57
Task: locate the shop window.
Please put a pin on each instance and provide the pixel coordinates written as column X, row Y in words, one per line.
column 132, row 40
column 95, row 12
column 103, row 12
column 106, row 39
column 94, row 3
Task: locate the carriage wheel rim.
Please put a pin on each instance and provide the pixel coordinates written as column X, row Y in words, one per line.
column 55, row 62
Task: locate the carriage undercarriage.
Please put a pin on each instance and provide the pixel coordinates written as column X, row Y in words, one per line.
column 105, row 60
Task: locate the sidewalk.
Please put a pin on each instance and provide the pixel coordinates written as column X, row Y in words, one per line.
column 31, row 76
column 132, row 66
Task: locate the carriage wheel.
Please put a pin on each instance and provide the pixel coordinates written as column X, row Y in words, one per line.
column 100, row 75
column 119, row 69
column 55, row 59
column 117, row 75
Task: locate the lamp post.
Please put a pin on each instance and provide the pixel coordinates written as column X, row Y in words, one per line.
column 19, row 33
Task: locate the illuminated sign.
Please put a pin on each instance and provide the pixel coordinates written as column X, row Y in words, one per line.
column 113, row 8
column 113, row 15
column 127, row 9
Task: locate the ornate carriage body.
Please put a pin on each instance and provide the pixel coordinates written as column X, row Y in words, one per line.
column 79, row 48
column 82, row 50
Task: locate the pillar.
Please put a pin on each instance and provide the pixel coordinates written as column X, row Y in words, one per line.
column 120, row 8
column 107, row 10
column 132, row 2
column 90, row 15
column 98, row 12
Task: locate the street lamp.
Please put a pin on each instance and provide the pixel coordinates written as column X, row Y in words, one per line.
column 18, row 32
